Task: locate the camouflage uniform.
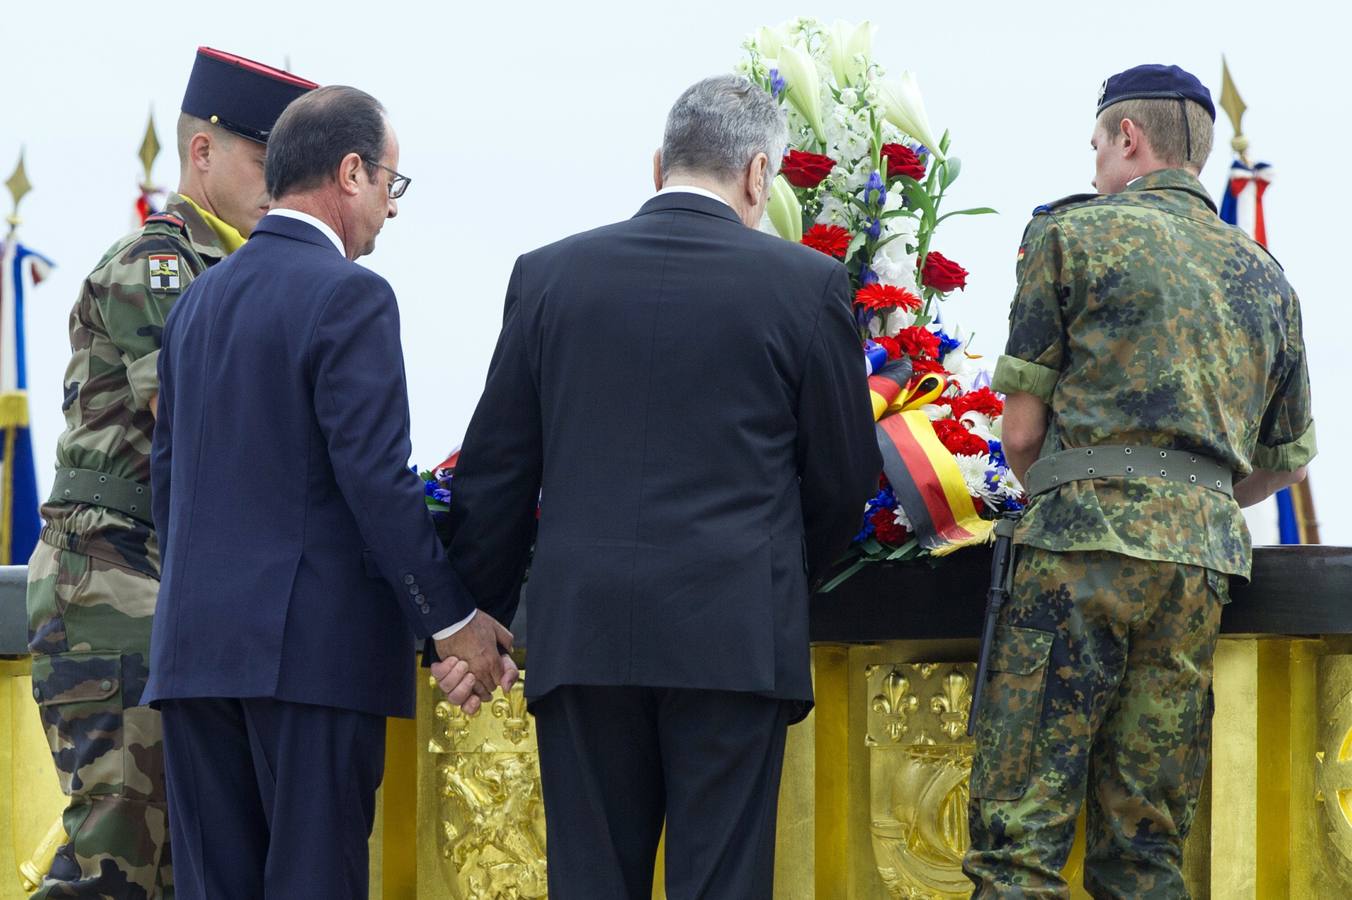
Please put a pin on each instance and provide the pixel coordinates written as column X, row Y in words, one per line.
column 1140, row 318
column 93, row 578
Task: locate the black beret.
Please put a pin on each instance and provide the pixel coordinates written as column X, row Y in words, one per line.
column 238, row 94
column 1155, row 82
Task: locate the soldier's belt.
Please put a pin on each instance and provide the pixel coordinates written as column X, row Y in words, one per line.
column 131, row 498
column 1134, row 461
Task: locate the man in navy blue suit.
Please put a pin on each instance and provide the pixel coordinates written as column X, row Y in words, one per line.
column 685, row 398
column 299, row 559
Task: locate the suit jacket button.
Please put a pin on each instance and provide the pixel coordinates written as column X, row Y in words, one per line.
column 105, row 685
column 426, row 609
column 414, row 590
column 409, row 579
column 37, row 694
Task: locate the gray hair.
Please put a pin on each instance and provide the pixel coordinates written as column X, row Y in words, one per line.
column 316, row 131
column 719, row 125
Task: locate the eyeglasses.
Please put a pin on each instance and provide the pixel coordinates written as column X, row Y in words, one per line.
column 398, row 183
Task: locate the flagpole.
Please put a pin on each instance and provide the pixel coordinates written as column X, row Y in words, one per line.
column 150, row 149
column 1295, row 504
column 11, row 412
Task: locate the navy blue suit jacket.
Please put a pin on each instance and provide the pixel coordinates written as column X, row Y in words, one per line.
column 688, row 400
column 299, row 560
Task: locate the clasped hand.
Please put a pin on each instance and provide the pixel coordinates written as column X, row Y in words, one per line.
column 473, row 661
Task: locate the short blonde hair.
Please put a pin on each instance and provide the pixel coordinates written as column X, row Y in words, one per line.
column 190, row 125
column 1164, row 126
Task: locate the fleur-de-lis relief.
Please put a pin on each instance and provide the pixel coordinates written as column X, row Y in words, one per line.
column 951, row 703
column 895, row 703
column 512, row 710
column 452, row 728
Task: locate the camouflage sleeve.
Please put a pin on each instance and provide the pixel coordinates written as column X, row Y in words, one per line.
column 1286, row 437
column 133, row 292
column 1034, row 353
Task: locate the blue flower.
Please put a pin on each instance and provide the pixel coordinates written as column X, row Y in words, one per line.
column 875, row 183
column 997, row 454
column 875, row 228
column 867, row 276
column 441, row 495
column 777, row 83
column 947, row 344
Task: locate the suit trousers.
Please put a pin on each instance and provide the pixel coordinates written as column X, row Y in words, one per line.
column 616, row 762
column 270, row 799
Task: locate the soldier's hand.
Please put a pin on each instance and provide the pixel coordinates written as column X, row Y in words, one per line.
column 477, row 645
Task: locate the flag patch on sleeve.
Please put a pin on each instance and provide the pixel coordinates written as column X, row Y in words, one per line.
column 163, row 272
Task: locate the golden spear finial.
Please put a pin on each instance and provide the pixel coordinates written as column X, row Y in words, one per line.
column 150, row 148
column 18, row 185
column 1234, row 107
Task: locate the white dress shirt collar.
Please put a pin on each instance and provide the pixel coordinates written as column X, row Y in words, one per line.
column 308, row 219
column 691, row 189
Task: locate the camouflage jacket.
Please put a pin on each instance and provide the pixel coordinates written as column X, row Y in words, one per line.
column 115, row 330
column 1142, row 318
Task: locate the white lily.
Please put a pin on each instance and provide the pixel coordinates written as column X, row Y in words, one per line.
column 784, row 210
column 905, row 108
column 799, row 72
column 769, row 40
column 850, row 46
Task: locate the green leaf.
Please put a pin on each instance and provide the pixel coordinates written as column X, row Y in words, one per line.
column 920, row 199
column 952, row 168
column 922, row 319
column 843, row 576
column 975, row 211
column 905, row 550
column 855, row 243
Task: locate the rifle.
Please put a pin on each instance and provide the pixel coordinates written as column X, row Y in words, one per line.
column 996, row 597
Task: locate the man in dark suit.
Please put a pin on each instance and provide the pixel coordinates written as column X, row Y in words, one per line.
column 685, row 397
column 299, row 558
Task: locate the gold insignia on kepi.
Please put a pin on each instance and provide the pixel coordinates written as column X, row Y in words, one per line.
column 163, row 272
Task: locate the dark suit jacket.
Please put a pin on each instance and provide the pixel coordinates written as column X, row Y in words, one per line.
column 687, row 398
column 299, row 557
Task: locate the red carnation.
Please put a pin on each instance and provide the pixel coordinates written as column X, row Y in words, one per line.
column 890, row 345
column 829, row 239
column 958, row 440
column 902, row 160
column 886, row 296
column 921, row 367
column 918, row 343
column 806, row 170
column 886, row 529
column 942, row 274
column 984, row 401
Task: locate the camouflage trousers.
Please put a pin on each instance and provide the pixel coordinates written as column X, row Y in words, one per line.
column 1100, row 684
column 89, row 632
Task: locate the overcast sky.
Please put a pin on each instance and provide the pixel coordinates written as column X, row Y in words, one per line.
column 523, row 122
